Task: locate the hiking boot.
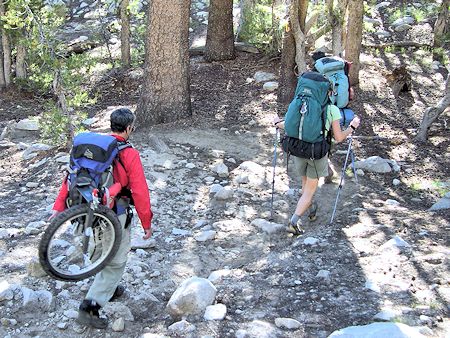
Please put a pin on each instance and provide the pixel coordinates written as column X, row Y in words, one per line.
column 88, row 315
column 312, row 211
column 120, row 290
column 295, row 229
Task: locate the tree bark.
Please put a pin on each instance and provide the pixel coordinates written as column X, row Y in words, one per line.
column 125, row 34
column 2, row 73
column 62, row 105
column 21, row 69
column 441, row 27
column 432, row 113
column 354, row 38
column 293, row 53
column 219, row 37
column 336, row 15
column 6, row 49
column 165, row 95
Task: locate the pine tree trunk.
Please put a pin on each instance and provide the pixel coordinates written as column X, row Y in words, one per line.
column 441, row 27
column 2, row 73
column 432, row 113
column 293, row 54
column 288, row 78
column 336, row 17
column 165, row 95
column 6, row 47
column 354, row 38
column 219, row 37
column 21, row 69
column 125, row 34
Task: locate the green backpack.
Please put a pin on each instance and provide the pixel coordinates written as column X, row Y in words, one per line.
column 306, row 116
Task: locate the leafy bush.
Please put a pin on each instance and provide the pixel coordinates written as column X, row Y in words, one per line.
column 261, row 27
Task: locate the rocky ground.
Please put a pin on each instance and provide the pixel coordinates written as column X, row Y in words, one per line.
column 384, row 259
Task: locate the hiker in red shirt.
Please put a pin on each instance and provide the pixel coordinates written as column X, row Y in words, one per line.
column 127, row 171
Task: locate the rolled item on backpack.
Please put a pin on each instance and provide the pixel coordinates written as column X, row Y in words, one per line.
column 347, row 115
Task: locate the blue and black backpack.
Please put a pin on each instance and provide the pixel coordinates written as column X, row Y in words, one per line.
column 305, row 119
column 91, row 164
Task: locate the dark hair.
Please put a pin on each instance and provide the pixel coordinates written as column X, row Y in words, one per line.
column 120, row 119
column 318, row 55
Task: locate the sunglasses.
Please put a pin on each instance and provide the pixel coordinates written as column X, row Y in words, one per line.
column 132, row 128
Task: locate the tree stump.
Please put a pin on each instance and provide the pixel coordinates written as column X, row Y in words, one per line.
column 399, row 80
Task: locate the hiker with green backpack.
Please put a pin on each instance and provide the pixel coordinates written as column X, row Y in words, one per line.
column 307, row 124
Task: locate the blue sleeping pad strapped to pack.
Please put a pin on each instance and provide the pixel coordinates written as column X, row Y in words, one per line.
column 334, row 69
column 347, row 116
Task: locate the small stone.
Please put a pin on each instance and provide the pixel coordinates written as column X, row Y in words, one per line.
column 287, row 323
column 62, row 325
column 310, row 241
column 395, row 181
column 118, row 325
column 215, row 312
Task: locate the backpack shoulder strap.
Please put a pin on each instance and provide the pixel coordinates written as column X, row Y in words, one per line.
column 121, row 145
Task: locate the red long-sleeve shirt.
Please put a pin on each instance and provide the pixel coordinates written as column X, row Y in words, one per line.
column 130, row 174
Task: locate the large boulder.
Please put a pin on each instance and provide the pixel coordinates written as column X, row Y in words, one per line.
column 191, row 297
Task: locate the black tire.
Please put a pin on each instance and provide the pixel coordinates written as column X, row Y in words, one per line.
column 74, row 213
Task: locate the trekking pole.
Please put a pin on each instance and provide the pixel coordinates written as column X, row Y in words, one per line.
column 352, row 154
column 274, row 165
column 342, row 178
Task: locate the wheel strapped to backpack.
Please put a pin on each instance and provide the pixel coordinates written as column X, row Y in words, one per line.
column 306, row 117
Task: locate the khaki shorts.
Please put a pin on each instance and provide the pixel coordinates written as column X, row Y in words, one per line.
column 311, row 168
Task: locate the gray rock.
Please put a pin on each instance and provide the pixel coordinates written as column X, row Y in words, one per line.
column 323, row 274
column 62, row 325
column 382, row 5
column 7, row 290
column 268, row 227
column 71, row 314
column 263, row 76
column 118, row 325
column 375, row 22
column 182, row 327
column 35, row 269
column 402, row 28
column 391, row 330
column 215, row 312
column 204, row 236
column 442, row 204
column 386, row 315
column 180, row 232
column 395, row 242
column 270, row 86
column 221, row 169
column 407, row 20
column 217, row 276
column 191, row 297
column 287, row 323
column 28, row 124
column 310, row 241
column 374, row 164
column 224, row 194
column 383, row 34
column 215, row 188
column 118, row 310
